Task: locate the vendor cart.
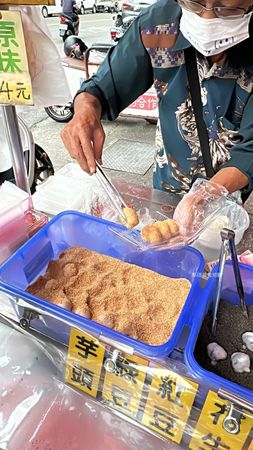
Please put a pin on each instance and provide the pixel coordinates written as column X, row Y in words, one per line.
column 68, row 382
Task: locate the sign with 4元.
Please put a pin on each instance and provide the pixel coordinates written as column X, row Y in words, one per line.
column 15, row 82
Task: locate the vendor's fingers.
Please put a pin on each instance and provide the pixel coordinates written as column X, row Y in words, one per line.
column 79, row 155
column 70, row 143
column 87, row 155
column 98, row 143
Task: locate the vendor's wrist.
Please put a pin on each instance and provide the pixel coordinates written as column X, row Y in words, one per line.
column 84, row 100
column 231, row 178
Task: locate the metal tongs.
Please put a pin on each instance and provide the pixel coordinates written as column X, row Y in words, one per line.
column 111, row 191
column 228, row 244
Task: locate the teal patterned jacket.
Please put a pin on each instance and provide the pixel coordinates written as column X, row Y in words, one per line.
column 152, row 52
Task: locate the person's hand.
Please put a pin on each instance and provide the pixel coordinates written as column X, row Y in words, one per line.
column 204, row 198
column 84, row 136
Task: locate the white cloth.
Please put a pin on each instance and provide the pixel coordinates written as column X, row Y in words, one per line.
column 49, row 83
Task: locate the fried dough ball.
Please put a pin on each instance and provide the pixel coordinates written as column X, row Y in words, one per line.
column 83, row 311
column 131, row 216
column 151, row 234
column 162, row 229
column 105, row 319
column 63, row 301
column 173, row 226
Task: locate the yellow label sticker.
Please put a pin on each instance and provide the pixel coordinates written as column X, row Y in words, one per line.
column 169, row 403
column 84, row 362
column 221, row 425
column 15, row 82
column 123, row 383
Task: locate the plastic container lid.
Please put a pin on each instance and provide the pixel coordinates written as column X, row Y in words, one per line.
column 58, row 193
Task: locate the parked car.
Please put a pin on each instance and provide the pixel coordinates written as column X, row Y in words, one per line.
column 56, row 9
column 84, row 6
column 134, row 7
column 107, row 6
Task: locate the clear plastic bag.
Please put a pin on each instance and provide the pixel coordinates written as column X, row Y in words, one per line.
column 193, row 215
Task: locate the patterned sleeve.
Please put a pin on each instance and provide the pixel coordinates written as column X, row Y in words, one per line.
column 242, row 152
column 124, row 75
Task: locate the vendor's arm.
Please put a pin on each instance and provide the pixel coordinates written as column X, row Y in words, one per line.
column 237, row 173
column 125, row 74
column 231, row 178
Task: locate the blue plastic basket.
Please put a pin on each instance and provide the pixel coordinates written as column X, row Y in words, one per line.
column 229, row 293
column 76, row 229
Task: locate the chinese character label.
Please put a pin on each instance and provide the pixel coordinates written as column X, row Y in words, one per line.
column 123, row 385
column 169, row 403
column 210, row 432
column 84, row 362
column 15, row 83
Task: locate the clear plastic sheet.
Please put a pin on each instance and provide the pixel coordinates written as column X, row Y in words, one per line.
column 205, row 203
column 92, row 396
column 39, row 411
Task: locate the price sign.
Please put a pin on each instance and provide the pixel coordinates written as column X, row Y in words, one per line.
column 221, row 425
column 169, row 403
column 123, row 384
column 84, row 362
column 15, row 83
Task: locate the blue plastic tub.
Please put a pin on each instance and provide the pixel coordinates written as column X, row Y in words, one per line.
column 229, row 294
column 76, row 229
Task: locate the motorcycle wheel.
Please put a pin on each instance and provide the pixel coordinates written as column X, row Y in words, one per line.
column 44, row 12
column 60, row 113
column 94, row 9
column 43, row 167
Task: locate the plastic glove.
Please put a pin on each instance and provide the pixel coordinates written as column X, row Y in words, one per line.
column 199, row 206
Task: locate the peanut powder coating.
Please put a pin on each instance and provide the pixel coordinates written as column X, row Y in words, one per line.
column 135, row 301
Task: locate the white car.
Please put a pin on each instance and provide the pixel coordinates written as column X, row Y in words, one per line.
column 47, row 10
column 84, row 6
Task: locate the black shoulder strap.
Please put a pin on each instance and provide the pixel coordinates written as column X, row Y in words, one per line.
column 193, row 79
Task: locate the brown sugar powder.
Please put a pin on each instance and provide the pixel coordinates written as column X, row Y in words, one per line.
column 135, row 301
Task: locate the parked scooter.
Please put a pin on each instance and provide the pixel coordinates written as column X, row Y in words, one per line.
column 75, row 48
column 85, row 65
column 68, row 26
column 120, row 26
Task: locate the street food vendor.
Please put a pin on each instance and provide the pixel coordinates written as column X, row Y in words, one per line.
column 152, row 52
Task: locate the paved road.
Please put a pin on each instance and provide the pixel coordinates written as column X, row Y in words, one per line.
column 93, row 28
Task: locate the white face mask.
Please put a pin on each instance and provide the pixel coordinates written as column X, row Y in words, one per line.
column 213, row 36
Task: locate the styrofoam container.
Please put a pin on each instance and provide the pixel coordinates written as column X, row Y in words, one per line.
column 76, row 229
column 58, row 193
column 74, row 171
column 209, row 242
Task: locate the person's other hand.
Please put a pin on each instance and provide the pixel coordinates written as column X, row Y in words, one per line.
column 84, row 136
column 202, row 200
